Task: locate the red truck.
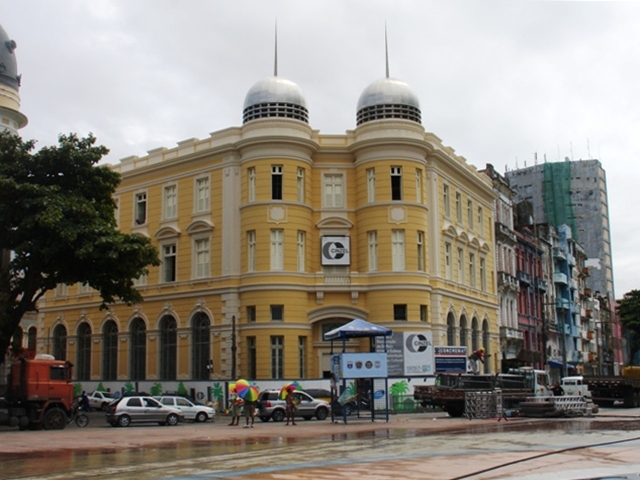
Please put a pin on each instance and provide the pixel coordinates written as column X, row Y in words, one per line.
column 39, row 394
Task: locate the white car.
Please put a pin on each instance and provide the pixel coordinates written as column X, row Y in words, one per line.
column 100, row 400
column 192, row 411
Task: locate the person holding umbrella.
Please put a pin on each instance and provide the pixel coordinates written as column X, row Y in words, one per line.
column 290, row 406
column 236, row 408
column 249, row 395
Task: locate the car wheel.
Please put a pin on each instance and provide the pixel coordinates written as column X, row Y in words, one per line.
column 322, row 413
column 307, row 417
column 278, row 415
column 264, row 418
column 124, row 421
column 201, row 417
column 172, row 419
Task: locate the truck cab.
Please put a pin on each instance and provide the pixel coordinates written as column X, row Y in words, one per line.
column 575, row 386
column 536, row 380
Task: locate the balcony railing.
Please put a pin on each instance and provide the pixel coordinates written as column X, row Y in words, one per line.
column 571, row 260
column 559, row 253
column 524, row 277
column 541, row 284
column 562, row 304
column 560, row 278
column 502, row 229
column 511, row 333
column 337, row 279
column 507, row 281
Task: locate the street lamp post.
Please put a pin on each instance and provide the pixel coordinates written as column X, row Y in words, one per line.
column 233, row 347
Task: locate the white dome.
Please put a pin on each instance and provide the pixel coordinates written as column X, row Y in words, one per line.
column 275, row 97
column 388, row 98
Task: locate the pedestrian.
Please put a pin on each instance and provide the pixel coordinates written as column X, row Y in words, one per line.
column 290, row 407
column 475, row 357
column 84, row 401
column 334, row 394
column 236, row 408
column 249, row 413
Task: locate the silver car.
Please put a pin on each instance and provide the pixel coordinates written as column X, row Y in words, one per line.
column 141, row 409
column 100, row 400
column 192, row 411
column 270, row 406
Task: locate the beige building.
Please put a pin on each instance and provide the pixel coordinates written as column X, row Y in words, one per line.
column 271, row 234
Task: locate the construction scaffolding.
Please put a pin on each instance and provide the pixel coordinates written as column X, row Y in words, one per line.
column 483, row 404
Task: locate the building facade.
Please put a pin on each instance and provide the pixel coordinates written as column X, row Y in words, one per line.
column 271, row 234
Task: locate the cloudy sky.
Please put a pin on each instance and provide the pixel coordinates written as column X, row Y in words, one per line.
column 499, row 81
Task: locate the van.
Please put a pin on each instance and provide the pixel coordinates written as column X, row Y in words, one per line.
column 575, row 387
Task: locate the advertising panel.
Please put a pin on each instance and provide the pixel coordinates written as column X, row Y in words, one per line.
column 336, row 250
column 451, row 359
column 360, row 365
column 408, row 353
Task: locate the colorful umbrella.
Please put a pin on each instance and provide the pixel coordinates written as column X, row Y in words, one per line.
column 232, row 388
column 246, row 391
column 289, row 387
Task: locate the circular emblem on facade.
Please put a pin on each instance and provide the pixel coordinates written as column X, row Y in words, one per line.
column 334, row 250
column 417, row 343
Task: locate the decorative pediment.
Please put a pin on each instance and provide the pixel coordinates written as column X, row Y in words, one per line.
column 485, row 248
column 474, row 243
column 199, row 226
column 463, row 237
column 450, row 231
column 167, row 232
column 334, row 222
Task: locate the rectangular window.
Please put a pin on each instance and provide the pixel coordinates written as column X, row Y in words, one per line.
column 397, row 246
column 277, row 357
column 421, row 266
column 251, row 314
column 373, row 251
column 483, row 276
column 84, row 288
column 141, row 281
column 277, row 313
column 277, row 250
column 251, row 251
column 470, row 213
column 460, row 265
column 459, row 207
column 116, row 213
column 480, row 221
column 400, row 312
column 252, row 354
column 62, row 290
column 300, row 185
column 423, row 313
column 419, row 193
column 170, row 199
column 396, row 183
column 371, row 185
column 302, row 356
column 472, row 270
column 301, row 250
column 276, row 182
column 141, row 208
column 169, row 263
column 202, row 256
column 202, row 200
column 251, row 187
column 448, row 267
column 446, row 200
column 333, row 191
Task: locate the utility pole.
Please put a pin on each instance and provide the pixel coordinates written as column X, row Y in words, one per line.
column 233, row 347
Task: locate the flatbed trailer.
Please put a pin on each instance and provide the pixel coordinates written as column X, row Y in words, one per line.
column 605, row 390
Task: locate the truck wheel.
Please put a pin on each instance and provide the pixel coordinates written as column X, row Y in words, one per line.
column 54, row 419
column 455, row 411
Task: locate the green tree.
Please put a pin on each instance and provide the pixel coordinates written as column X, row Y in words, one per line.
column 629, row 310
column 57, row 226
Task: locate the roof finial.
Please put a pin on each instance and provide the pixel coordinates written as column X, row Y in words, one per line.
column 275, row 62
column 386, row 48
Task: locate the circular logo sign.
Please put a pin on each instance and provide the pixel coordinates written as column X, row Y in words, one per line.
column 417, row 343
column 334, row 250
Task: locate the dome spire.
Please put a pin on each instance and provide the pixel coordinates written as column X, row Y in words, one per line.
column 386, row 48
column 275, row 61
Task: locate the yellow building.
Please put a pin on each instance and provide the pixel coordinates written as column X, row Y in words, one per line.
column 271, row 234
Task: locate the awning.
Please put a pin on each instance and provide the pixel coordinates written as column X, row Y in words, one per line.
column 358, row 328
column 557, row 364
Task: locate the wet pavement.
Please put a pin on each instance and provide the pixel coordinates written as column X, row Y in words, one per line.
column 425, row 446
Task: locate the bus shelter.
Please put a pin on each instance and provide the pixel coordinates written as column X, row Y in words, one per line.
column 367, row 394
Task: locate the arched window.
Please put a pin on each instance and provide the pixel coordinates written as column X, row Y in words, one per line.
column 110, row 351
column 464, row 331
column 485, row 344
column 32, row 339
column 60, row 342
column 451, row 329
column 201, row 338
column 16, row 340
column 168, row 348
column 138, row 365
column 83, row 360
column 475, row 335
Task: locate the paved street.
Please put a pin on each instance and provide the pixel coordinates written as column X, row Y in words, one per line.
column 419, row 446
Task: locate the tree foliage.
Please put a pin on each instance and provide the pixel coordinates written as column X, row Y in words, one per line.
column 57, row 218
column 629, row 311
